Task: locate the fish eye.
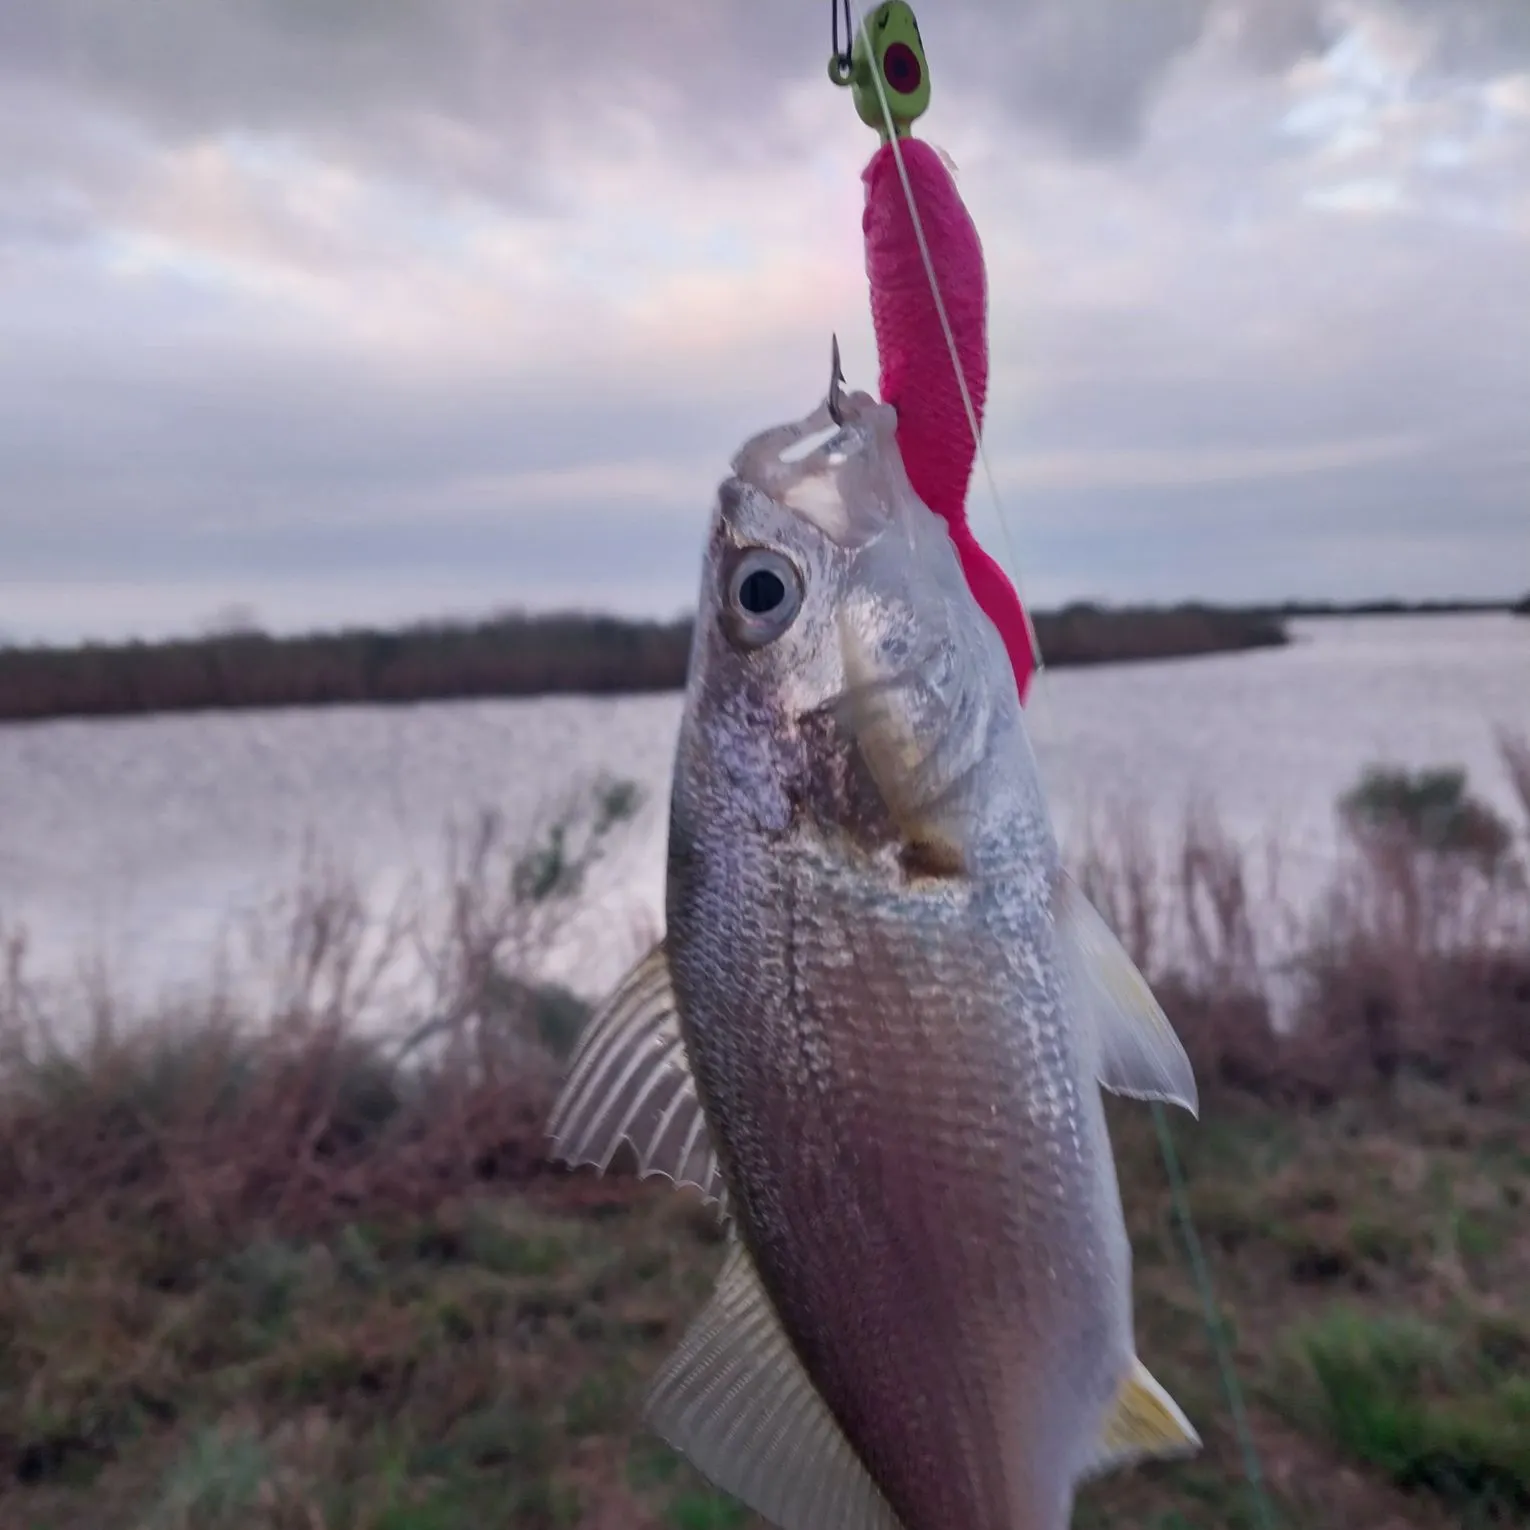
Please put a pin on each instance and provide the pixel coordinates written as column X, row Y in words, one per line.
column 764, row 596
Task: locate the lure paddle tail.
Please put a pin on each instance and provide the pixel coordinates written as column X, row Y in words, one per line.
column 918, row 375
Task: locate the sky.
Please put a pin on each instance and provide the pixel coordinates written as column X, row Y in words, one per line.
column 316, row 312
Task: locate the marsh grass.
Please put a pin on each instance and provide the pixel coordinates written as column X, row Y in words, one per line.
column 276, row 1269
column 205, row 1120
column 1415, row 959
column 1444, row 1408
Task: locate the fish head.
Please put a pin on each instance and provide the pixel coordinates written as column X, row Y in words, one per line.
column 804, row 502
column 840, row 662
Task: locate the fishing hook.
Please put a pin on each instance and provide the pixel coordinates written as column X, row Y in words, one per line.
column 836, row 383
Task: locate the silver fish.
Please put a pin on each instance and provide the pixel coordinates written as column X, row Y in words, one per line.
column 876, row 1033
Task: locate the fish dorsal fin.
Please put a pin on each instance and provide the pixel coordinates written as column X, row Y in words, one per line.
column 735, row 1400
column 1139, row 1054
column 630, row 1081
column 1143, row 1422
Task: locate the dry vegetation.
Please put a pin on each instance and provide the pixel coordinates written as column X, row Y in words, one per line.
column 509, row 656
column 271, row 1269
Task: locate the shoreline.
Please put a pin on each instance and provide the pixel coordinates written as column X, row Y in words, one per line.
column 561, row 654
column 565, row 654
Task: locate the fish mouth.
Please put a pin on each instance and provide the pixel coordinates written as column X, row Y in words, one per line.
column 830, row 469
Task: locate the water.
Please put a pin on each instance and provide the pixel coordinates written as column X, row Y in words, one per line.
column 138, row 842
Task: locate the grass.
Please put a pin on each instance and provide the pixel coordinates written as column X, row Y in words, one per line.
column 478, row 1364
column 279, row 1272
column 483, row 1362
column 1439, row 1406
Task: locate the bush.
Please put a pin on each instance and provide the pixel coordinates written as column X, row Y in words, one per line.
column 1431, row 809
column 1416, row 960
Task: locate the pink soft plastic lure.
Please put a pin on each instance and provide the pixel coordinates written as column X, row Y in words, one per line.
column 917, row 378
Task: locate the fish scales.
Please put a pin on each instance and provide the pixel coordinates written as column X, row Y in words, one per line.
column 874, row 1102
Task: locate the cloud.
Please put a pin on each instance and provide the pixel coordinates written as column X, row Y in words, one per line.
column 496, row 95
column 490, row 94
column 1189, row 467
column 329, row 302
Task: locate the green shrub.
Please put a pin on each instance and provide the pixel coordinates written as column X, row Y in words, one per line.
column 1431, row 809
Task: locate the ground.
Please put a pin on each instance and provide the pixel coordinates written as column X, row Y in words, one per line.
column 482, row 1364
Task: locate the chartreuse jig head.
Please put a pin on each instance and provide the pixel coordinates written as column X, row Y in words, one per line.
column 886, row 47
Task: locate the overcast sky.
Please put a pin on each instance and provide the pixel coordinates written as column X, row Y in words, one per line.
column 345, row 310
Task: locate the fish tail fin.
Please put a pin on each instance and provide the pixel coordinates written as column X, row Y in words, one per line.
column 1143, row 1422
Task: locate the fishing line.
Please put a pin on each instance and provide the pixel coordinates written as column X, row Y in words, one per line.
column 1178, row 1192
column 1212, row 1313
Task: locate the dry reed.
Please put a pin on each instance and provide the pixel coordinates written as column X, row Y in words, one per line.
column 305, row 1112
column 302, row 1111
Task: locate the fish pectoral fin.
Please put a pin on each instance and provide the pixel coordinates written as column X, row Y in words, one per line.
column 897, row 761
column 1143, row 1422
column 735, row 1400
column 1139, row 1054
column 630, row 1081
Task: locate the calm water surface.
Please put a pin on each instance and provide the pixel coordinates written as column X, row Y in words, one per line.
column 138, row 842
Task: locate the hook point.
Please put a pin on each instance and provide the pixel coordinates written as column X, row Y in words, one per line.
column 836, row 383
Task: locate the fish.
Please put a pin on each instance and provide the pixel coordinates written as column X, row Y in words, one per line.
column 875, row 1035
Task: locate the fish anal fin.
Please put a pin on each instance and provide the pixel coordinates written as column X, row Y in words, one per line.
column 735, row 1400
column 1139, row 1054
column 629, row 1081
column 1143, row 1423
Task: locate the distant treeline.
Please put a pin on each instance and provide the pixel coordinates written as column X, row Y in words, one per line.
column 508, row 656
column 1457, row 607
